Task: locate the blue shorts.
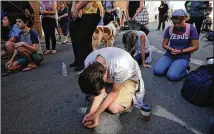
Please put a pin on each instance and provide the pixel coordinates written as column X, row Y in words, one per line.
column 35, row 57
column 22, row 61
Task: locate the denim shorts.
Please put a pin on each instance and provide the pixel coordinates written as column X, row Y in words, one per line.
column 35, row 57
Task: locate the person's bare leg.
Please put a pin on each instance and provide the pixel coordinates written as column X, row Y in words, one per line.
column 115, row 108
column 10, row 47
column 27, row 54
column 3, row 53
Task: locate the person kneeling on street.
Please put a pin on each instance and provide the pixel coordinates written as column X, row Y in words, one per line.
column 137, row 44
column 26, row 50
column 111, row 65
column 180, row 40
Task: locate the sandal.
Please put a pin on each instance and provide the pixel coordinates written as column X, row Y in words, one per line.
column 46, row 52
column 29, row 67
column 65, row 42
column 53, row 51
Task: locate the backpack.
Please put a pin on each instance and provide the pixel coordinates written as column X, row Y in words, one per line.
column 209, row 36
column 187, row 26
column 197, row 88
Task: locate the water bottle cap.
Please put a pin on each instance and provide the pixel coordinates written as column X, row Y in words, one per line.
column 146, row 108
column 210, row 62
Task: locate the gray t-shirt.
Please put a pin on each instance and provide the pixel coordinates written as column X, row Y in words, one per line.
column 30, row 38
column 120, row 64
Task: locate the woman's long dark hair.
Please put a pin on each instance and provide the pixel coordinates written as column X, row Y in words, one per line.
column 11, row 19
column 5, row 30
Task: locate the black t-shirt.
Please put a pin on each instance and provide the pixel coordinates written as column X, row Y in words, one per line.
column 133, row 6
column 69, row 5
column 16, row 7
column 62, row 12
column 164, row 9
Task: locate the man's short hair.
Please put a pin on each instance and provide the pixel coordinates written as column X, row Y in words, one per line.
column 91, row 79
column 25, row 18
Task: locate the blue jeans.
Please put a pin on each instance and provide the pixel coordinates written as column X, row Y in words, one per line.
column 138, row 58
column 64, row 27
column 175, row 68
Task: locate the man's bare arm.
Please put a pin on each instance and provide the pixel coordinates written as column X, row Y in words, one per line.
column 110, row 98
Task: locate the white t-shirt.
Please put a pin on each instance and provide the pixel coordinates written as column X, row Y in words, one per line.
column 120, row 64
column 121, row 67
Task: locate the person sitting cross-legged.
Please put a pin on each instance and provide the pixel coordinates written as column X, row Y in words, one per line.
column 111, row 65
column 180, row 40
column 26, row 52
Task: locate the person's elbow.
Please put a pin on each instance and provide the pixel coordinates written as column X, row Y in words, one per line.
column 164, row 45
column 196, row 47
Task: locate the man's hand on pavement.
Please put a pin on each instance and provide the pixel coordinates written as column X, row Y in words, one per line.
column 86, row 116
column 92, row 121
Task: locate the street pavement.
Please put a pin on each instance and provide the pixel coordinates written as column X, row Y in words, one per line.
column 43, row 101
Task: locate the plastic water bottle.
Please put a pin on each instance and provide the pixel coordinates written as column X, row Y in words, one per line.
column 64, row 69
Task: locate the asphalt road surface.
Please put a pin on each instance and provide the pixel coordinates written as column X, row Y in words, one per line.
column 43, row 101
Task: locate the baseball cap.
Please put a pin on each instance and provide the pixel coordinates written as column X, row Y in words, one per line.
column 179, row 12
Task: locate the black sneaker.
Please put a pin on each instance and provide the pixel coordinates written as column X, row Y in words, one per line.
column 72, row 65
column 78, row 68
column 158, row 29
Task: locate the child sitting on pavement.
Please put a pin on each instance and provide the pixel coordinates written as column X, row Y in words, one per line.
column 26, row 52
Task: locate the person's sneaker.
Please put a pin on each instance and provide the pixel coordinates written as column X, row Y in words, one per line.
column 79, row 68
column 72, row 65
column 157, row 29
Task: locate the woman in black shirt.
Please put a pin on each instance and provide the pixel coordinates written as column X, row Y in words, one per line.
column 63, row 20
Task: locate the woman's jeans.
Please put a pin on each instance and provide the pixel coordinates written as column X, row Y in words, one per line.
column 138, row 58
column 174, row 68
column 64, row 27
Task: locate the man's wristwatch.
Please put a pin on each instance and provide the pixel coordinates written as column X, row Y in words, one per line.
column 181, row 51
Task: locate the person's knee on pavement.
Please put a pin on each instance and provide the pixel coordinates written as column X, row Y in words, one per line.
column 173, row 76
column 157, row 71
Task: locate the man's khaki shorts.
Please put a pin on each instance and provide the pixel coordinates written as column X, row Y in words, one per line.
column 126, row 93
